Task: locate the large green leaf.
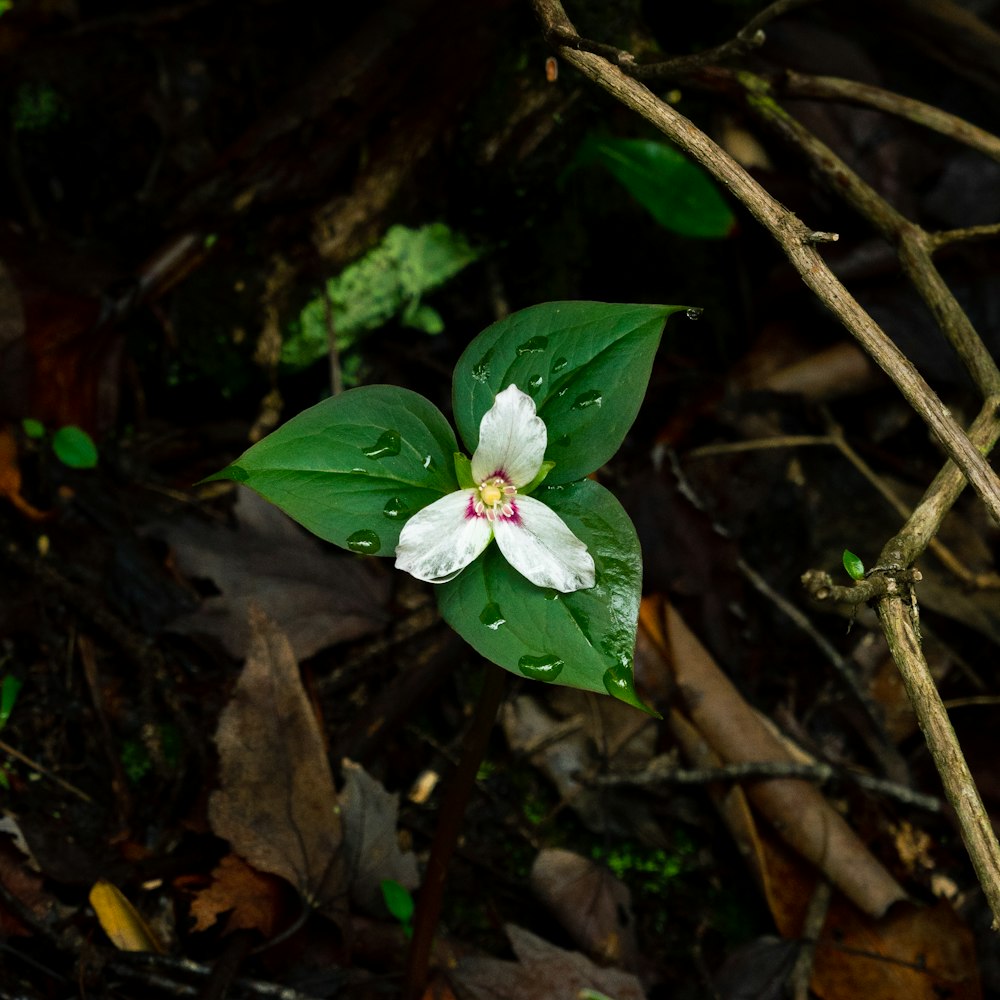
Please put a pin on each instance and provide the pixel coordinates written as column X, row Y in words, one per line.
column 586, row 365
column 355, row 467
column 675, row 191
column 585, row 639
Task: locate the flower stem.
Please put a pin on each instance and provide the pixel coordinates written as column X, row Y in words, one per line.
column 449, row 826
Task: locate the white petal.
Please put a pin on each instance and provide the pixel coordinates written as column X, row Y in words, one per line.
column 542, row 548
column 512, row 439
column 438, row 542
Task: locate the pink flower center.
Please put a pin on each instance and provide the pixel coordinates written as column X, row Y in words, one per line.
column 496, row 498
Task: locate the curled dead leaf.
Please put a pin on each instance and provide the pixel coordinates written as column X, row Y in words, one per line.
column 277, row 803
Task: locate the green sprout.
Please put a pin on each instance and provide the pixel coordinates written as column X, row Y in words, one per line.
column 72, row 445
column 9, row 688
column 854, row 566
column 399, row 901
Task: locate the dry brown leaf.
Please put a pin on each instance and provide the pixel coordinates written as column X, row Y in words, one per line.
column 795, row 809
column 593, row 905
column 10, row 476
column 19, row 882
column 542, row 972
column 916, row 952
column 277, row 804
column 317, row 595
column 251, row 898
column 369, row 814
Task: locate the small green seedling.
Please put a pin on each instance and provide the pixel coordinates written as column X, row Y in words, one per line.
column 854, row 566
column 399, row 900
column 72, row 445
column 9, row 688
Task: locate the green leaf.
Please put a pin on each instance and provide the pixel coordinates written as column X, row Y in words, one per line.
column 586, row 365
column 388, row 280
column 355, row 467
column 398, row 899
column 675, row 191
column 9, row 688
column 33, row 428
column 585, row 639
column 75, row 447
column 854, row 566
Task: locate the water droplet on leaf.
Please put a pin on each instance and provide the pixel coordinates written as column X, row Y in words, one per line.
column 366, row 542
column 492, row 617
column 396, row 507
column 535, row 381
column 592, row 397
column 550, row 595
column 387, row 445
column 238, row 474
column 694, row 313
column 533, row 346
column 563, row 440
column 559, row 364
column 618, row 681
column 541, row 668
column 429, row 463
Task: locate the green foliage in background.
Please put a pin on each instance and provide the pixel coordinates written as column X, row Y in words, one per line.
column 388, row 281
column 677, row 193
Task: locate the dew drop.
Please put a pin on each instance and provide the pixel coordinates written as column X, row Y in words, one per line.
column 492, row 617
column 592, row 397
column 563, row 441
column 396, row 507
column 533, row 346
column 541, row 668
column 559, row 364
column 694, row 313
column 429, row 463
column 360, row 472
column 550, row 595
column 618, row 682
column 387, row 445
column 366, row 542
column 238, row 474
column 535, row 382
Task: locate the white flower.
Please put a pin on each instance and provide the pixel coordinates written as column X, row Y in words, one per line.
column 438, row 542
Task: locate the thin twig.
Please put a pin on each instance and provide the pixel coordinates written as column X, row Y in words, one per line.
column 41, row 769
column 449, row 827
column 913, row 244
column 960, row 789
column 793, row 237
column 820, row 773
column 835, row 88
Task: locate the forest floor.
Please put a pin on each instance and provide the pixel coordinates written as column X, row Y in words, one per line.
column 220, row 738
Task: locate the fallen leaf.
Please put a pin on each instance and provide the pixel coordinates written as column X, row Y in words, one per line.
column 251, row 898
column 317, row 595
column 916, row 952
column 19, row 882
column 121, row 921
column 758, row 970
column 10, row 476
column 542, row 972
column 593, row 905
column 794, row 808
column 276, row 803
column 371, row 849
